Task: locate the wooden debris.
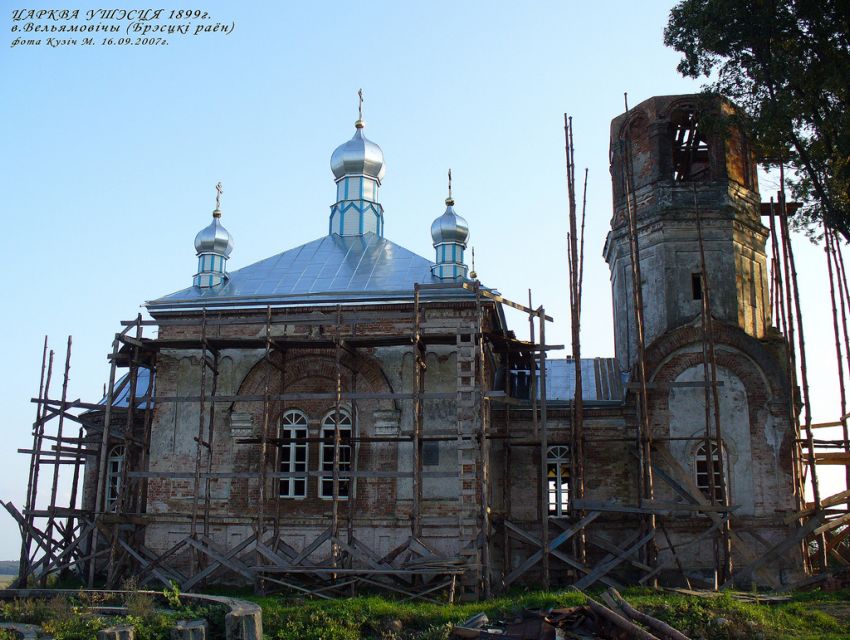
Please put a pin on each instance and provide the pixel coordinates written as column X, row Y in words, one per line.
column 472, row 628
column 619, row 621
column 653, row 623
column 592, row 620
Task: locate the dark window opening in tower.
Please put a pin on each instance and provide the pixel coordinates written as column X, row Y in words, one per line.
column 696, row 286
column 690, row 149
column 557, row 476
column 706, row 478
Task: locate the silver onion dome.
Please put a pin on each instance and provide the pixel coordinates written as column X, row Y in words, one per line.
column 358, row 156
column 214, row 238
column 450, row 227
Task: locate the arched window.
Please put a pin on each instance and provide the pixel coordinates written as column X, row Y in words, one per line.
column 705, row 471
column 293, row 454
column 326, row 483
column 114, row 471
column 691, row 160
column 558, row 475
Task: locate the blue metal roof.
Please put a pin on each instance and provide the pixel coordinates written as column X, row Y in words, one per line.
column 329, row 270
column 121, row 390
column 601, row 380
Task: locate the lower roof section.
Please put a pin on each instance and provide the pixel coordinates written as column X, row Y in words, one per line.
column 601, row 380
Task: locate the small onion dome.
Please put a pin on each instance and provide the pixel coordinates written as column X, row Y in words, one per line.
column 450, row 227
column 358, row 156
column 214, row 238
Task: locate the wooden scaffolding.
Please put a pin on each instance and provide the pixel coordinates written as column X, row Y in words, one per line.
column 105, row 540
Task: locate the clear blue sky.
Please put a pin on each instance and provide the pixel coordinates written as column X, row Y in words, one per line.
column 111, row 155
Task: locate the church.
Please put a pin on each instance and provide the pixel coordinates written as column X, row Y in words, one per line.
column 348, row 414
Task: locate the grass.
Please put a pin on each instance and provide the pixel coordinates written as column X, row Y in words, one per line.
column 73, row 617
column 806, row 616
column 799, row 618
column 718, row 618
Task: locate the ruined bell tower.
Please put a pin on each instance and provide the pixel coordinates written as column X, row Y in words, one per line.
column 675, row 159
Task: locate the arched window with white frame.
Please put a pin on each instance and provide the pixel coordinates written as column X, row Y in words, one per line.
column 114, row 473
column 329, row 426
column 708, row 473
column 293, row 454
column 558, row 479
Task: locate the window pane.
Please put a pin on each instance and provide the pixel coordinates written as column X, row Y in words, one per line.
column 330, row 424
column 293, row 454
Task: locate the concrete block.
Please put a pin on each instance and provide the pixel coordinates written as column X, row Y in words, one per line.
column 118, row 632
column 190, row 630
column 244, row 623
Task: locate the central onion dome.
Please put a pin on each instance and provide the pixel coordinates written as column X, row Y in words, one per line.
column 214, row 238
column 450, row 227
column 358, row 168
column 358, row 157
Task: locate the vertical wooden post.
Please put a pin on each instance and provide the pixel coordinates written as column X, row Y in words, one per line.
column 124, row 495
column 544, row 447
column 532, row 374
column 209, row 442
column 791, row 272
column 834, row 255
column 710, row 391
column 575, row 262
column 199, row 439
column 100, row 492
column 418, row 365
column 354, row 467
column 144, row 458
column 337, row 441
column 32, row 480
column 51, row 511
column 284, row 353
column 484, row 443
column 644, row 434
column 507, row 556
column 264, row 445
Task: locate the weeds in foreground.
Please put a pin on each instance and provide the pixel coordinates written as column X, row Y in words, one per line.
column 376, row 618
column 75, row 617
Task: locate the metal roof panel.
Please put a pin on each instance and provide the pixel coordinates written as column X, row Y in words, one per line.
column 331, row 269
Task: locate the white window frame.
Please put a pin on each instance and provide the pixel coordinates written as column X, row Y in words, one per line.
column 702, row 479
column 114, row 476
column 326, row 454
column 558, row 459
column 294, row 425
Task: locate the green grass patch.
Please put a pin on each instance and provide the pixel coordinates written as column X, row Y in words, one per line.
column 376, row 617
column 724, row 617
column 712, row 618
column 76, row 617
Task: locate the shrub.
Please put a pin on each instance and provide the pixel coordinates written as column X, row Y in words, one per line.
column 29, row 611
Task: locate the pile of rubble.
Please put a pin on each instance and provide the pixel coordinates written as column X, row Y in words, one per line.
column 617, row 621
